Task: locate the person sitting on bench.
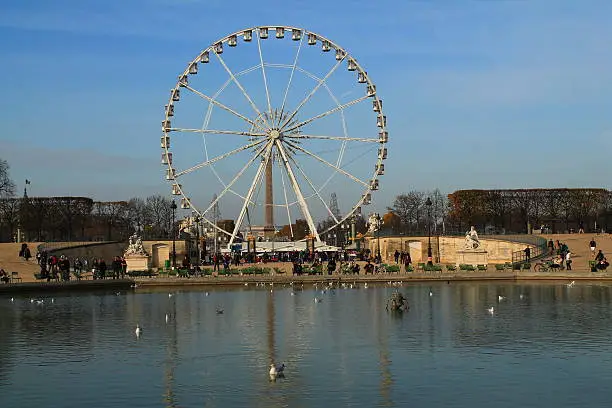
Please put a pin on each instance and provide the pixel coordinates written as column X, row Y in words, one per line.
column 4, row 276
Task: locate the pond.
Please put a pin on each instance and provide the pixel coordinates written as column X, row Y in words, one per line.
column 544, row 345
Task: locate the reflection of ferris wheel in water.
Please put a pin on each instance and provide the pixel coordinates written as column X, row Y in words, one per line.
column 284, row 143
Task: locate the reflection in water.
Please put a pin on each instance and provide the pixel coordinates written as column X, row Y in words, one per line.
column 172, row 356
column 546, row 345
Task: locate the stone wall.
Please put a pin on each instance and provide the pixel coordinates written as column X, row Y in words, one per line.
column 444, row 249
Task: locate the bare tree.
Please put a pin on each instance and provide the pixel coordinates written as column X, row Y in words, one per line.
column 7, row 187
column 159, row 214
column 9, row 218
column 409, row 209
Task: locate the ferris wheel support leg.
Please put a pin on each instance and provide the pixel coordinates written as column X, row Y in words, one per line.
column 298, row 192
column 249, row 195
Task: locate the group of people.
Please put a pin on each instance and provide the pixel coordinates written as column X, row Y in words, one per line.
column 561, row 255
column 54, row 267
column 402, row 258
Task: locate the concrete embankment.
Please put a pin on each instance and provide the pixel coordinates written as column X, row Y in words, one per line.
column 237, row 280
column 406, row 278
column 45, row 287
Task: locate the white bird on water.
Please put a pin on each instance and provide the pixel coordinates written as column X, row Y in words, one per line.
column 500, row 298
column 138, row 331
column 491, row 310
column 12, row 299
column 521, row 296
column 277, row 371
column 317, row 300
column 430, row 292
column 169, row 295
column 167, row 318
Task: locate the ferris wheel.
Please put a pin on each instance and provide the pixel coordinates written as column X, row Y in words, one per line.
column 265, row 124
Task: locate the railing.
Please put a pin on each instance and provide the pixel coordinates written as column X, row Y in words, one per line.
column 55, row 246
column 537, row 247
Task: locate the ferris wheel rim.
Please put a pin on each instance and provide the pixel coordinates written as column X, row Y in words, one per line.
column 304, row 33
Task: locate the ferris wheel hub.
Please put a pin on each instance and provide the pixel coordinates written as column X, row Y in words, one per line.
column 275, row 134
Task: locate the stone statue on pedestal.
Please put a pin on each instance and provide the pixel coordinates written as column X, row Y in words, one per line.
column 471, row 239
column 373, row 223
column 135, row 247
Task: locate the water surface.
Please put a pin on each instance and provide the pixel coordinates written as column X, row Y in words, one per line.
column 546, row 345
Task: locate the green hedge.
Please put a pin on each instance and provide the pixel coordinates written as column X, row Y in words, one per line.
column 134, row 274
column 393, row 268
column 467, row 267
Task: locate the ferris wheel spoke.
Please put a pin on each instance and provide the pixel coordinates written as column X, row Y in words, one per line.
column 247, row 198
column 324, row 114
column 236, row 177
column 244, row 92
column 312, row 186
column 333, row 166
column 286, row 199
column 219, row 132
column 221, row 157
column 297, row 55
column 298, row 191
column 263, row 72
column 340, row 138
column 219, row 104
column 314, row 90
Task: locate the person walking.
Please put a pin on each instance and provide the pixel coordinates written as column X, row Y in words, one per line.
column 527, row 254
column 568, row 261
column 592, row 245
column 551, row 247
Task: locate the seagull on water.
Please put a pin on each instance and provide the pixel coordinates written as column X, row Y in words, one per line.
column 138, row 331
column 167, row 318
column 277, row 371
column 500, row 298
column 430, row 292
column 12, row 299
column 169, row 295
column 206, row 294
column 491, row 310
column 521, row 296
column 317, row 300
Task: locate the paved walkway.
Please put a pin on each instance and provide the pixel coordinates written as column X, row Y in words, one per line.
column 578, row 244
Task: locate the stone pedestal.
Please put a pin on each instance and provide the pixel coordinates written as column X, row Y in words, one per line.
column 472, row 257
column 137, row 262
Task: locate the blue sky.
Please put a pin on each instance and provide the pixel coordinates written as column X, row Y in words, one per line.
column 478, row 94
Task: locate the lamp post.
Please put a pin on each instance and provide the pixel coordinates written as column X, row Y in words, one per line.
column 428, row 203
column 173, row 207
column 377, row 218
column 196, row 219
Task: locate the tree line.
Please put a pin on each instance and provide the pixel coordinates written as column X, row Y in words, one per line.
column 83, row 219
column 411, row 213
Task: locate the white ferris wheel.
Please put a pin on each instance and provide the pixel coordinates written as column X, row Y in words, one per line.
column 265, row 124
